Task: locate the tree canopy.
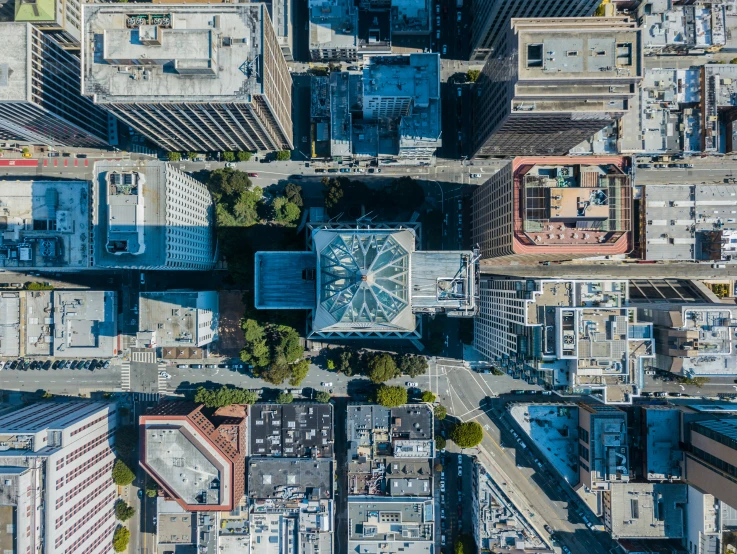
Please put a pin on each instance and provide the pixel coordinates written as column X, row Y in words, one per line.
column 412, row 365
column 440, row 442
column 473, row 75
column 293, row 193
column 122, row 474
column 284, row 398
column 124, row 512
column 299, row 371
column 287, row 344
column 126, row 441
column 286, row 211
column 243, row 156
column 224, row 396
column 381, row 367
column 174, row 156
column 322, row 396
column 283, row 155
column 229, row 156
column 256, row 349
column 120, row 539
column 467, row 434
column 152, row 488
column 391, row 397
column 440, row 412
column 428, row 396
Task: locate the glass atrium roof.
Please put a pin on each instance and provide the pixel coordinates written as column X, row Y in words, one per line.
column 364, row 277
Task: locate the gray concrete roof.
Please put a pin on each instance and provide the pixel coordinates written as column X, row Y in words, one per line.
column 85, row 324
column 648, row 510
column 14, row 67
column 290, row 478
column 291, row 430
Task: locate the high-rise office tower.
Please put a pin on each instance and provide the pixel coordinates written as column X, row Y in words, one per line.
column 191, row 77
column 711, row 455
column 492, row 17
column 150, row 215
column 553, row 83
column 56, row 490
column 40, row 101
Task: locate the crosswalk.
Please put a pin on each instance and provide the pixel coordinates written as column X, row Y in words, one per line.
column 125, row 376
column 146, row 356
column 146, row 396
column 162, row 385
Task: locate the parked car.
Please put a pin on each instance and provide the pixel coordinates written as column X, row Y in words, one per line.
column 229, row 164
column 53, row 154
column 106, row 364
column 210, row 366
column 253, row 174
column 345, row 170
column 459, row 16
column 74, row 364
column 182, row 366
column 445, row 48
column 333, row 170
column 475, row 175
column 53, row 366
column 196, row 366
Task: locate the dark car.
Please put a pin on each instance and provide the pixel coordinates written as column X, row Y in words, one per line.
column 644, row 166
column 55, row 365
column 371, row 170
column 47, row 364
column 297, row 176
column 13, row 364
column 53, row 154
column 345, row 170
column 87, row 364
column 223, row 366
column 81, row 155
column 93, row 364
column 332, row 170
column 140, row 493
column 196, row 366
column 319, row 170
column 253, row 174
column 106, row 364
column 74, row 364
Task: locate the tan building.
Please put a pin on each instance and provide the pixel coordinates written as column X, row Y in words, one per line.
column 554, row 208
column 192, row 77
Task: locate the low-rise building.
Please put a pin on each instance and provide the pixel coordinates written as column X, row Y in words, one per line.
column 603, row 449
column 150, row 215
column 196, row 456
column 547, row 208
column 333, row 30
column 705, row 522
column 410, row 17
column 297, row 430
column 496, row 522
column 661, row 432
column 356, row 280
column 47, row 225
column 291, row 507
column 719, row 130
column 696, row 28
column 645, row 510
column 56, row 489
column 689, row 223
column 388, row 524
column 565, row 334
column 178, row 318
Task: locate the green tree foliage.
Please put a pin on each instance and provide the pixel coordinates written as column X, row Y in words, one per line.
column 38, row 286
column 122, row 474
column 467, row 434
column 440, row 412
column 428, row 396
column 293, row 193
column 256, row 350
column 331, row 364
column 277, row 372
column 126, row 441
column 465, row 544
column 283, row 155
column 284, row 398
column 229, row 156
column 391, row 397
column 244, row 156
column 174, row 156
column 440, row 442
column 227, row 184
column 342, row 359
column 152, row 488
column 299, row 372
column 287, row 344
column 412, row 365
column 733, row 61
column 381, row 367
column 124, row 512
column 224, row 396
column 192, row 155
column 332, row 191
column 695, row 381
column 720, row 289
column 322, row 396
column 473, row 75
column 47, row 395
column 285, row 211
column 26, row 151
column 120, row 539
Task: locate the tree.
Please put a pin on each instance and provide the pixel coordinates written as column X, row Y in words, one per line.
column 332, row 191
column 120, row 539
column 244, row 156
column 287, row 344
column 38, row 286
column 284, row 398
column 174, row 156
column 26, row 151
column 293, row 193
column 391, row 397
column 322, row 396
column 224, row 396
column 438, row 467
column 124, row 512
column 122, row 474
column 440, row 442
column 467, row 434
column 277, row 372
column 412, row 365
column 473, row 75
column 733, row 61
column 152, row 488
column 256, row 349
column 227, row 186
column 229, row 156
column 192, row 155
column 428, row 396
column 381, row 368
column 285, row 211
column 440, row 412
column 299, row 372
column 47, row 395
column 331, row 365
column 283, row 155
column 126, row 441
column 695, row 381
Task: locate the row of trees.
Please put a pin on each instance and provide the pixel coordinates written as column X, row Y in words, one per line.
column 379, row 367
column 242, row 156
column 350, row 197
column 274, row 352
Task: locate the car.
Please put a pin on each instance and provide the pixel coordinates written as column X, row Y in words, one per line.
column 74, row 364
column 646, row 394
column 660, row 394
column 689, row 165
column 650, row 372
column 675, row 394
column 333, row 170
column 660, row 166
column 81, row 155
column 459, row 16
column 442, row 474
column 437, row 8
column 590, row 525
column 460, row 91
column 360, row 170
column 460, row 470
column 13, row 364
column 371, row 170
column 345, row 170
column 223, row 366
column 106, row 364
column 437, row 21
column 140, row 493
column 182, row 366
column 475, row 175
column 547, row 528
column 55, row 365
column 297, row 177
column 718, row 266
column 674, row 165
column 442, row 486
column 229, row 164
column 211, row 366
column 445, row 48
column 93, row 365
column 53, row 154
column 87, row 364
column 164, row 374
column 143, row 278
column 437, row 34
column 566, row 550
column 442, row 540
column 196, row 366
column 251, row 174
column 154, row 521
column 307, row 164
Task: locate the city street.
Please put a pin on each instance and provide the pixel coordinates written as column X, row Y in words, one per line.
column 610, row 270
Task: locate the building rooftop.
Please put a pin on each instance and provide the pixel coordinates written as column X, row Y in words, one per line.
column 175, row 528
column 292, row 430
column 662, row 433
column 290, row 479
column 10, row 319
column 35, row 11
column 608, row 447
column 203, row 53
column 85, row 324
column 719, row 93
column 45, row 224
column 176, row 317
column 647, row 510
column 410, row 16
column 288, row 280
column 382, row 525
column 15, row 68
column 333, row 25
column 690, row 222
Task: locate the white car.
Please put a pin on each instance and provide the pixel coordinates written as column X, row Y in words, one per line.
column 2, row 365
column 229, row 164
column 442, row 486
column 326, row 384
column 164, row 374
column 460, row 471
column 445, row 48
column 475, row 175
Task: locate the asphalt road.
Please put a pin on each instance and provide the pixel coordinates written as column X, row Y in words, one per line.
column 611, row 271
column 711, row 173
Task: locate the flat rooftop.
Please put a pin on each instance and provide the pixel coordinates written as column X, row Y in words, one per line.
column 648, row 510
column 290, row 479
column 10, row 324
column 372, row 521
column 175, row 316
column 291, row 430
column 45, row 224
column 285, row 280
column 663, row 454
column 85, row 324
column 333, row 25
column 205, row 53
